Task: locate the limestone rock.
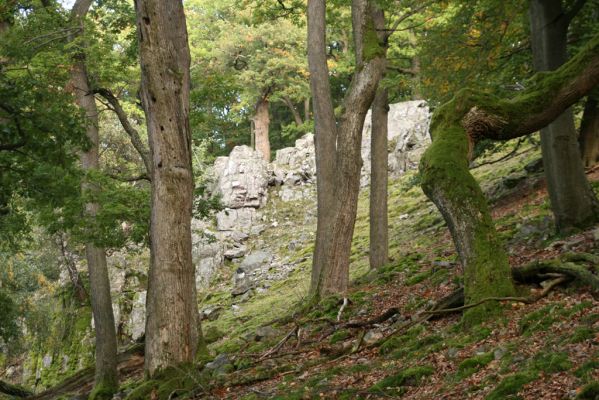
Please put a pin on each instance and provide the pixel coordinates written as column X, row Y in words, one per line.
column 241, row 178
column 407, row 133
column 137, row 319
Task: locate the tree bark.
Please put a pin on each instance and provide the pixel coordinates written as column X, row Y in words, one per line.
column 296, row 115
column 589, row 131
column 446, row 179
column 172, row 316
column 106, row 379
column 261, row 127
column 379, row 235
column 338, row 158
column 572, row 199
column 307, row 109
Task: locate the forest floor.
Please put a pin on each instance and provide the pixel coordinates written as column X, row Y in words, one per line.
column 272, row 346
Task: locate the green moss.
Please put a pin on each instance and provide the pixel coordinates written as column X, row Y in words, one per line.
column 585, row 371
column 339, row 336
column 473, row 364
column 511, row 385
column 589, row 392
column 408, row 377
column 551, row 362
column 103, row 391
column 213, row 334
column 581, row 334
column 170, row 383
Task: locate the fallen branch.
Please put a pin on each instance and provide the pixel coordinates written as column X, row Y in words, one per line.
column 278, row 346
column 345, row 303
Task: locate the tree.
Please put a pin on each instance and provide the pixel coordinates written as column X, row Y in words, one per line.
column 589, row 131
column 338, row 142
column 379, row 226
column 456, row 127
column 250, row 55
column 573, row 202
column 172, row 317
column 106, row 378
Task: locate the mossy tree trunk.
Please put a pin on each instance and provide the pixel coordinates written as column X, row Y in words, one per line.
column 106, row 379
column 572, row 200
column 447, row 181
column 338, row 158
column 589, row 131
column 171, row 310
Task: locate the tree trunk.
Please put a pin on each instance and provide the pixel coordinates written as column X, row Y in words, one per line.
column 338, row 159
column 172, row 316
column 106, row 379
column 261, row 127
column 296, row 115
column 307, row 109
column 572, row 200
column 589, row 132
column 379, row 235
column 446, row 179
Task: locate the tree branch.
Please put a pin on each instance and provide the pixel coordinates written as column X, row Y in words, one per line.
column 132, row 132
column 549, row 95
column 574, row 10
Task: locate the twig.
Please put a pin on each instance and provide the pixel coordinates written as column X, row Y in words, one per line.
column 278, row 346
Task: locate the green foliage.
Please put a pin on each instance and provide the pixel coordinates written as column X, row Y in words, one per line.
column 589, row 392
column 8, row 317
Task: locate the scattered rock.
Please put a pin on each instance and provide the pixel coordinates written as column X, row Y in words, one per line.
column 211, row 313
column 221, row 364
column 511, row 181
column 235, row 252
column 372, row 336
column 499, row 353
column 534, row 166
column 265, row 332
column 255, row 260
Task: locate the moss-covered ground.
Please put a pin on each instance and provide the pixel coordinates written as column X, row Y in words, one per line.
column 545, row 350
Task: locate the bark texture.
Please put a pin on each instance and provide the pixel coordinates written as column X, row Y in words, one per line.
column 447, row 181
column 261, row 127
column 106, row 379
column 572, row 199
column 589, row 131
column 379, row 230
column 338, row 158
column 172, row 317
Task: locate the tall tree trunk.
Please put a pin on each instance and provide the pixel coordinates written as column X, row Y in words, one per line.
column 338, row 159
column 106, row 378
column 379, row 235
column 572, row 200
column 261, row 127
column 589, row 131
column 446, row 179
column 171, row 309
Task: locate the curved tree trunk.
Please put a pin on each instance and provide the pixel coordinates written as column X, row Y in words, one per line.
column 447, row 181
column 172, row 316
column 338, row 158
column 589, row 131
column 106, row 379
column 572, row 199
column 379, row 230
column 261, row 128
